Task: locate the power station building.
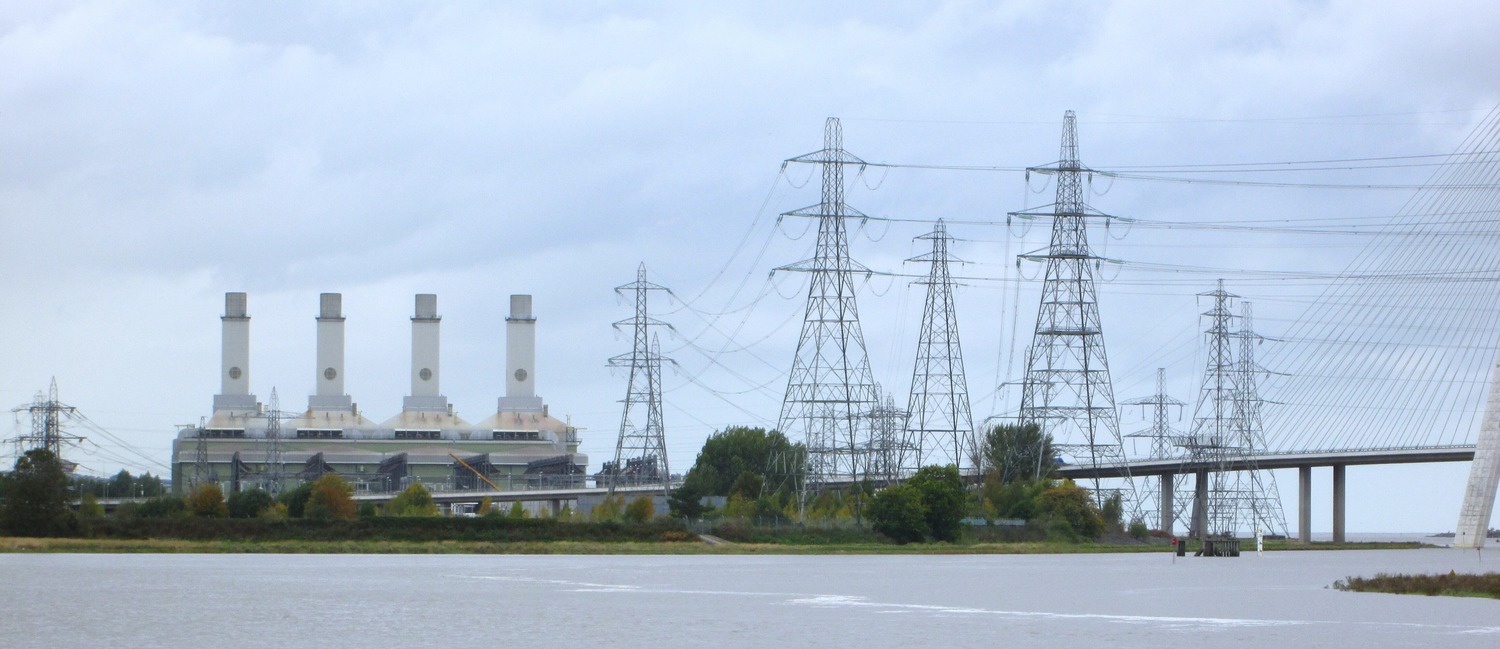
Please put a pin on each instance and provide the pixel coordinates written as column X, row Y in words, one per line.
column 246, row 444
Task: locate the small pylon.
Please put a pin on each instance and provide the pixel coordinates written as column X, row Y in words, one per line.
column 274, row 468
column 1164, row 438
column 940, row 423
column 894, row 452
column 1164, row 442
column 641, row 448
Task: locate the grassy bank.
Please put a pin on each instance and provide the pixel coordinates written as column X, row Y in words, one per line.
column 200, row 546
column 387, row 546
column 1451, row 584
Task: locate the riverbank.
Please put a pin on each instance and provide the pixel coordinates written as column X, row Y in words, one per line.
column 199, row 546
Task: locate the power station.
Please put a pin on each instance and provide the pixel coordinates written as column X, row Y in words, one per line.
column 247, row 444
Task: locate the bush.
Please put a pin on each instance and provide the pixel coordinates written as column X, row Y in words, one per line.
column 207, row 501
column 1138, row 531
column 249, row 503
column 518, row 511
column 609, row 509
column 416, row 500
column 276, row 511
column 944, row 500
column 331, row 499
column 640, row 510
column 161, row 507
column 90, row 507
column 898, row 514
column 1072, row 506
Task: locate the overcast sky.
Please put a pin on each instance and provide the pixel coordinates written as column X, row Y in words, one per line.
column 156, row 155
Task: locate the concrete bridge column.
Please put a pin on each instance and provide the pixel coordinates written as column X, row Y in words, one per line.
column 1200, row 505
column 1166, row 503
column 1304, row 504
column 1338, row 503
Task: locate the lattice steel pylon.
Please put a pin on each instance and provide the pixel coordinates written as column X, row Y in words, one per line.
column 641, row 448
column 1227, row 431
column 894, row 452
column 1164, row 440
column 275, row 463
column 1212, row 438
column 1067, row 389
column 1260, row 500
column 47, row 414
column 830, row 390
column 940, row 422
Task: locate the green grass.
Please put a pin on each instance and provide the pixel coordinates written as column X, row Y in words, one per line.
column 1451, row 584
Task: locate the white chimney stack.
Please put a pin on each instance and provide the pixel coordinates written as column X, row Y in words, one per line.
column 426, row 393
column 330, row 379
column 520, row 358
column 234, row 391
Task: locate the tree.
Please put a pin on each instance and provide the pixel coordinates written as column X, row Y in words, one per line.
column 36, row 496
column 728, row 454
column 1113, row 513
column 747, row 485
column 944, row 500
column 122, row 485
column 332, row 498
column 640, row 510
column 1018, row 452
column 416, row 500
column 897, row 513
column 686, row 502
column 296, row 500
column 207, row 501
column 249, row 503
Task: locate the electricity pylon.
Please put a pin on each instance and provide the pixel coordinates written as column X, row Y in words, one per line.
column 830, row 391
column 894, row 452
column 48, row 414
column 275, row 465
column 940, row 424
column 641, row 448
column 1164, row 438
column 1067, row 389
column 1227, row 432
column 1164, row 441
column 1259, row 502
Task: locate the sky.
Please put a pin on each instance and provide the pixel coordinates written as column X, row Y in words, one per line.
column 155, row 155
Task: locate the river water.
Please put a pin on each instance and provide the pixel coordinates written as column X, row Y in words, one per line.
column 461, row 601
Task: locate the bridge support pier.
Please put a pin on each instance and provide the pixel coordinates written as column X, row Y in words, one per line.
column 1166, row 503
column 1200, row 505
column 1304, row 504
column 1338, row 503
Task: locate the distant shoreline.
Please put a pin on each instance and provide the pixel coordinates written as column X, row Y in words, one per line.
column 21, row 545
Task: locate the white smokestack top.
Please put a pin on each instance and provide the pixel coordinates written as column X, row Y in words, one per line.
column 234, row 376
column 520, row 357
column 330, row 378
column 426, row 392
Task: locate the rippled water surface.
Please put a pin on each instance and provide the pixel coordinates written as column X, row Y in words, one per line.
column 1104, row 600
